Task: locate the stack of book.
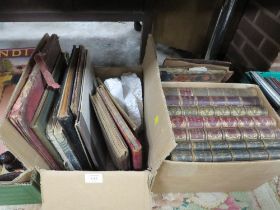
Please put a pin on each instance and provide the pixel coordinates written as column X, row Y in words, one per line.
column 215, row 124
column 53, row 113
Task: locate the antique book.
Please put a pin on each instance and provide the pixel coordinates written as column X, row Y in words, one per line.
column 40, row 119
column 185, row 75
column 133, row 143
column 172, row 91
column 212, row 101
column 227, row 134
column 116, row 145
column 80, row 68
column 56, row 136
column 65, row 117
column 86, row 123
column 182, row 122
column 27, row 102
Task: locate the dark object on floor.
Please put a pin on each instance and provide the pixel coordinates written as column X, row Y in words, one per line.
column 10, row 161
column 137, row 26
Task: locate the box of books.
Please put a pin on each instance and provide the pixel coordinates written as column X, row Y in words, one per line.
column 226, row 136
column 65, row 120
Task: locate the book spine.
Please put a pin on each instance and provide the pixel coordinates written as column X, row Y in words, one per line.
column 227, row 134
column 180, row 121
column 225, row 155
column 219, row 111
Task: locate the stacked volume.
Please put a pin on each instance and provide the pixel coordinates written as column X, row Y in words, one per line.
column 221, row 124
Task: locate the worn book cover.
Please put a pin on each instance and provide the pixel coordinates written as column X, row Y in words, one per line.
column 26, row 104
column 40, row 119
column 118, row 150
column 65, row 117
column 130, row 139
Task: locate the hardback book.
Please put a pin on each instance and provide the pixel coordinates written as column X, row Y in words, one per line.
column 133, row 143
column 40, row 119
column 182, row 122
column 227, row 134
column 185, row 75
column 224, row 155
column 218, row 111
column 27, row 102
column 86, row 123
column 118, row 150
column 212, row 101
column 172, row 91
column 56, row 136
column 65, row 117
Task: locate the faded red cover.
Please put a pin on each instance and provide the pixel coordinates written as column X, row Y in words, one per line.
column 23, row 110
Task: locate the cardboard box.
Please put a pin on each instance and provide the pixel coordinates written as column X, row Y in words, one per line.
column 207, row 177
column 93, row 189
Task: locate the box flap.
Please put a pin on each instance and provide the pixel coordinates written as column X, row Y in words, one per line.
column 95, row 190
column 158, row 127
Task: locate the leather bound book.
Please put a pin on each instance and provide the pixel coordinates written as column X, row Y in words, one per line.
column 202, row 156
column 264, row 121
column 196, row 134
column 258, row 154
column 255, row 111
column 133, row 143
column 178, row 122
column 236, row 145
column 193, row 146
column 173, row 100
column 240, row 155
column 193, row 122
column 271, row 143
column 219, row 145
column 273, row 154
column 180, row 135
column 177, row 91
column 254, row 144
column 190, row 111
column 182, row 156
column 175, row 111
column 214, row 134
column 222, row 111
column 66, row 118
column 213, row 122
column 221, row 155
column 231, row 134
column 204, row 111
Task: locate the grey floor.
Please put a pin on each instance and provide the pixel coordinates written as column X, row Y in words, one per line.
column 110, row 44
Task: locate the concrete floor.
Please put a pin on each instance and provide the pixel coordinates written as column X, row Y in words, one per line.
column 114, row 44
column 109, row 43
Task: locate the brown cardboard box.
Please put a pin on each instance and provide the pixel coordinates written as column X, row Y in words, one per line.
column 91, row 189
column 207, row 177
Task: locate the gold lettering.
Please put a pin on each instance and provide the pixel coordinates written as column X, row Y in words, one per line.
column 16, row 53
column 25, row 52
column 4, row 53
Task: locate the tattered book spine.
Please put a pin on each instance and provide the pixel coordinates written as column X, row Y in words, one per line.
column 172, row 100
column 224, row 155
column 183, row 122
column 226, row 134
column 172, row 91
column 218, row 111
